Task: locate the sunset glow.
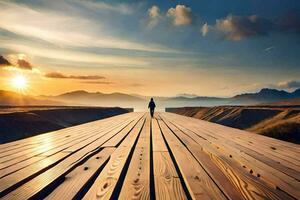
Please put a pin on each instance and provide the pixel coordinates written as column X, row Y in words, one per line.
column 154, row 48
column 19, row 82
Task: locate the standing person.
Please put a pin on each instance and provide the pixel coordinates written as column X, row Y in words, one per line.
column 151, row 106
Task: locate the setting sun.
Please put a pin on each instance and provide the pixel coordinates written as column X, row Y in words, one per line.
column 19, row 82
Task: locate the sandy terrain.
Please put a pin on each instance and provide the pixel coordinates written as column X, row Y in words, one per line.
column 273, row 121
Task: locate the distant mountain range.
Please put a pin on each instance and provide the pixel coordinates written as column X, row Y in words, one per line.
column 266, row 96
column 81, row 97
column 9, row 98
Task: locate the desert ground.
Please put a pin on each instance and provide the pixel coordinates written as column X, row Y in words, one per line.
column 274, row 120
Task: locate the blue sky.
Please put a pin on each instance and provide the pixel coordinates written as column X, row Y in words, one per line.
column 207, row 47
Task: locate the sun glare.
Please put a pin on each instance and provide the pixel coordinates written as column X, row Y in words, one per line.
column 19, row 82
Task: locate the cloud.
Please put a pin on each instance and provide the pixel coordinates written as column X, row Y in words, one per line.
column 239, row 27
column 58, row 75
column 98, row 82
column 73, row 56
column 204, row 29
column 187, row 95
column 289, row 21
column 136, row 85
column 289, row 84
column 66, row 29
column 18, row 64
column 181, row 15
column 99, row 5
column 23, row 64
column 269, row 49
column 4, row 62
column 154, row 15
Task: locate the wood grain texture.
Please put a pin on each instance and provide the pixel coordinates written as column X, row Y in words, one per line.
column 200, row 185
column 53, row 146
column 227, row 172
column 157, row 139
column 267, row 173
column 43, row 138
column 37, row 184
column 106, row 182
column 137, row 180
column 167, row 182
column 76, row 179
column 134, row 157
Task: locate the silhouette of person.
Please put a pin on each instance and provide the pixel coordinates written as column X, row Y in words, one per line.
column 151, row 106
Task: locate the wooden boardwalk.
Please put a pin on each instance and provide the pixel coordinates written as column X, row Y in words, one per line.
column 132, row 156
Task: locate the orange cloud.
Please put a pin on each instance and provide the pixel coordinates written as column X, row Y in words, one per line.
column 181, row 15
column 98, row 82
column 23, row 64
column 81, row 77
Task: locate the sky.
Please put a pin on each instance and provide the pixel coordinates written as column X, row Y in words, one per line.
column 154, row 48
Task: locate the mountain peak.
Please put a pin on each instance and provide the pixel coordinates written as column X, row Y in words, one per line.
column 78, row 92
column 268, row 91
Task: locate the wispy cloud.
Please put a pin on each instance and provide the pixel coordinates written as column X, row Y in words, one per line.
column 269, row 49
column 289, row 84
column 59, row 75
column 98, row 82
column 72, row 55
column 136, row 85
column 204, row 29
column 96, row 5
column 154, row 16
column 64, row 29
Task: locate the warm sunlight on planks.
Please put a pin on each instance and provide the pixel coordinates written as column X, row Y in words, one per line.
column 132, row 156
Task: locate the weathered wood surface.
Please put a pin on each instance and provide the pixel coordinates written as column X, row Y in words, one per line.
column 132, row 156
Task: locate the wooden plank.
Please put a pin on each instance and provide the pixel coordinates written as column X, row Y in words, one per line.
column 199, row 184
column 76, row 179
column 11, row 180
column 119, row 137
column 15, row 167
column 282, row 153
column 166, row 179
column 272, row 154
column 74, row 148
column 137, row 180
column 157, row 139
column 62, row 134
column 106, row 182
column 227, row 173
